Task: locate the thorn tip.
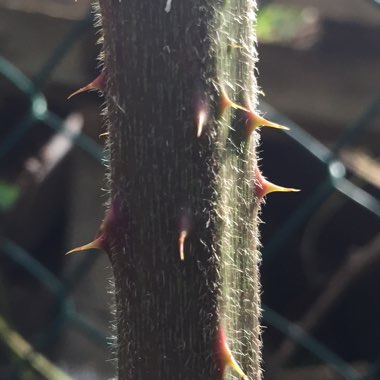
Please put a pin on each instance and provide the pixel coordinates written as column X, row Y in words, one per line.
column 96, row 84
column 96, row 244
column 264, row 187
column 225, row 102
column 201, row 121
column 254, row 121
column 181, row 244
column 227, row 358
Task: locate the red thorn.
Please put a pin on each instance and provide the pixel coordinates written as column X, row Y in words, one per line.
column 107, row 221
column 254, row 120
column 225, row 102
column 97, row 84
column 264, row 187
column 225, row 357
column 100, row 242
column 96, row 244
column 181, row 244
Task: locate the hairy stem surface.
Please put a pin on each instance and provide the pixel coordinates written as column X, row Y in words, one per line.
column 182, row 181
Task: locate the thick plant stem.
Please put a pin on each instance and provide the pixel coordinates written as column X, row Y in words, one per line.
column 183, row 233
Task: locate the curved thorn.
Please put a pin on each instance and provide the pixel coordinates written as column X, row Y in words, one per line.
column 96, row 84
column 100, row 242
column 254, row 120
column 264, row 187
column 227, row 357
column 201, row 122
column 235, row 366
column 273, row 188
column 181, row 244
column 225, row 102
column 96, row 244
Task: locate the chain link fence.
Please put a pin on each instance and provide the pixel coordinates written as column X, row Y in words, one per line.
column 23, row 358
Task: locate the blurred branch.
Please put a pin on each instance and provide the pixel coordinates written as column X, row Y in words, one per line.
column 23, row 350
column 311, row 344
column 363, row 165
column 40, row 187
column 356, row 264
column 375, row 2
column 39, row 167
column 366, row 170
column 317, row 372
column 71, row 10
column 308, row 244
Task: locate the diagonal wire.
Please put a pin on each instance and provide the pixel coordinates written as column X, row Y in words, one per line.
column 38, row 112
column 50, row 281
column 331, row 183
column 311, row 344
column 63, row 47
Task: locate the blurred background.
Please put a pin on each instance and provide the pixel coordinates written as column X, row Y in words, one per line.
column 319, row 66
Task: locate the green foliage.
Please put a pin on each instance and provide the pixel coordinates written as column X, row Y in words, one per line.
column 280, row 23
column 9, row 194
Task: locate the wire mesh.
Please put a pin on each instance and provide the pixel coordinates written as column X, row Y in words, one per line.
column 336, row 180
